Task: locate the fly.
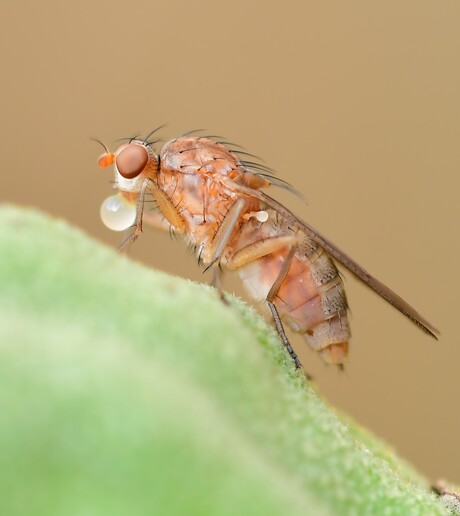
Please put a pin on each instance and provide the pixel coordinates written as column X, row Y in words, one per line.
column 206, row 193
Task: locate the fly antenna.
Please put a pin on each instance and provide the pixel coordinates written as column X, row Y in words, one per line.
column 101, row 144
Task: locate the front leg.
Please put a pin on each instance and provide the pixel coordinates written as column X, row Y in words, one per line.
column 170, row 217
column 138, row 221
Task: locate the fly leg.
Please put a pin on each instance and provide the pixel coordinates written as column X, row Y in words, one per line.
column 224, row 232
column 253, row 252
column 138, row 221
column 170, row 216
column 220, row 242
column 271, row 305
column 217, row 283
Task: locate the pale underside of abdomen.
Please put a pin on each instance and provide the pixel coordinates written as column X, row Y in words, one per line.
column 311, row 300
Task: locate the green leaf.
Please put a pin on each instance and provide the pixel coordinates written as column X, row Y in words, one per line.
column 127, row 391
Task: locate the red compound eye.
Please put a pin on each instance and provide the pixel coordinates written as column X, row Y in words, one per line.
column 131, row 160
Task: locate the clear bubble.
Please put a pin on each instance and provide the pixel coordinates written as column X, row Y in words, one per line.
column 117, row 213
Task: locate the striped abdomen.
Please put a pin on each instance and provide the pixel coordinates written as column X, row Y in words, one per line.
column 311, row 300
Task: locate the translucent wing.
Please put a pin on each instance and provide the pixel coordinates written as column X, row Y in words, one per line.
column 376, row 285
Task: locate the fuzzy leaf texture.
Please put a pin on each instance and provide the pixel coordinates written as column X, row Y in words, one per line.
column 126, row 391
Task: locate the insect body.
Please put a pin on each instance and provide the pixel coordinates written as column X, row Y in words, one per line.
column 207, row 194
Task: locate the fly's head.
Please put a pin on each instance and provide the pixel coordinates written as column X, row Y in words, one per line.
column 133, row 162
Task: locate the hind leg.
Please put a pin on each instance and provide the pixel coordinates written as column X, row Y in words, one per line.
column 274, row 311
column 257, row 250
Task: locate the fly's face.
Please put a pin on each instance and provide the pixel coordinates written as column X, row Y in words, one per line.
column 133, row 162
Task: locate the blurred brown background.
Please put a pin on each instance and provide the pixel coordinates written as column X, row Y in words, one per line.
column 355, row 103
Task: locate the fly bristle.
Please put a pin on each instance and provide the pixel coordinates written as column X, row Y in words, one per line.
column 151, row 133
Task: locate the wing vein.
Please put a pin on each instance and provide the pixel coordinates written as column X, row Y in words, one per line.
column 377, row 286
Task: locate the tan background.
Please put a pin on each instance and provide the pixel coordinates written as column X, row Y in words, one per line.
column 356, row 103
